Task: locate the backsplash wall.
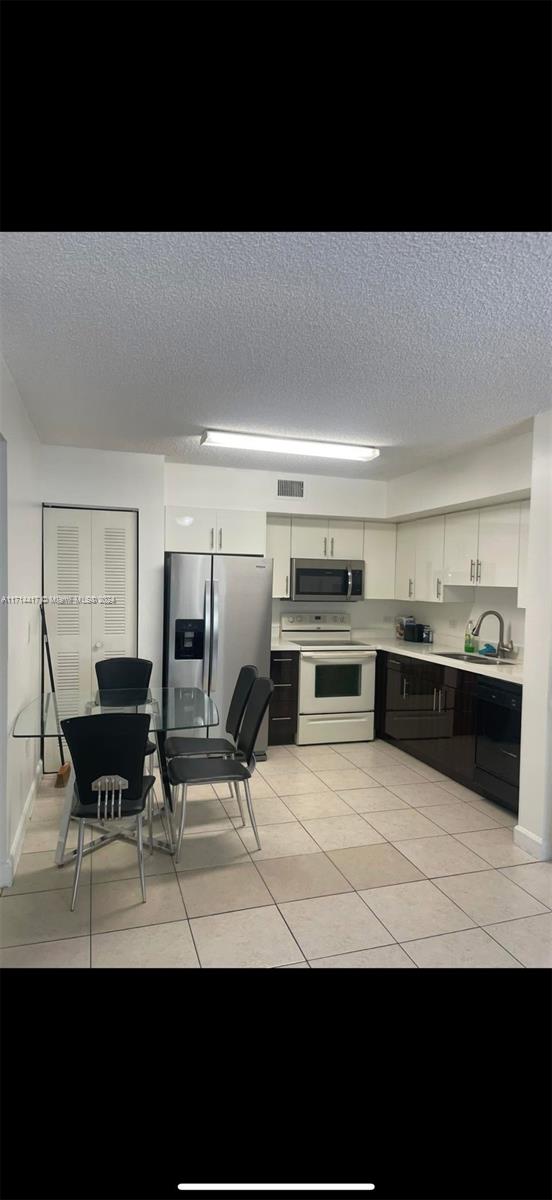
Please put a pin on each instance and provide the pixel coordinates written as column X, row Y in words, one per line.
column 380, row 614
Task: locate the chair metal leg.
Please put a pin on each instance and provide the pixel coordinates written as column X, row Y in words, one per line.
column 184, row 790
column 251, row 813
column 150, row 819
column 239, row 799
column 80, row 849
column 140, row 845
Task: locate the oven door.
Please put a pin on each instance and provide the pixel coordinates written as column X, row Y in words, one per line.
column 337, row 681
column 319, row 580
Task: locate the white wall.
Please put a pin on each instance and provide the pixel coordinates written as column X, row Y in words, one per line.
column 21, row 575
column 501, row 471
column 534, row 829
column 113, row 479
column 225, row 487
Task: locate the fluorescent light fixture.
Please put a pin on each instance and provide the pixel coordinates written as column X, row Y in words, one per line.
column 277, row 445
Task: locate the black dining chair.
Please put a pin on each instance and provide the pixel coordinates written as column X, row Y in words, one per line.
column 182, row 747
column 130, row 675
column 184, row 772
column 108, row 753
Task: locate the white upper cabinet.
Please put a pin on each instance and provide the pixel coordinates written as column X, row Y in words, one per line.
column 346, row 539
column 240, row 532
column 405, row 571
column 380, row 544
column 523, row 548
column 498, row 551
column 309, row 537
column 318, row 537
column 278, row 548
column 461, row 537
column 215, row 531
column 430, row 539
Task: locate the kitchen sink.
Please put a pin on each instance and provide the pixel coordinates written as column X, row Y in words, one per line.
column 479, row 659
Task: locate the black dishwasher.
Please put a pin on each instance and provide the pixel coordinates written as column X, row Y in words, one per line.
column 498, row 737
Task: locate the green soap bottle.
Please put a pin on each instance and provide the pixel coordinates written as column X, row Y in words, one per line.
column 469, row 647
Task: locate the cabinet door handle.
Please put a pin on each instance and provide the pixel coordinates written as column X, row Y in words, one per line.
column 325, row 547
column 395, row 662
column 438, row 589
column 507, row 752
column 280, row 718
column 410, row 588
column 220, row 538
column 287, row 584
column 440, row 700
column 212, row 538
column 404, row 688
column 434, row 697
column 282, row 684
column 331, row 547
column 472, row 570
column 283, row 660
column 478, row 573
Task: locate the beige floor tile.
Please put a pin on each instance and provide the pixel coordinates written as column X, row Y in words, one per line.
column 374, row 866
column 71, row 952
column 458, row 817
column 201, row 791
column 393, row 774
column 529, row 940
column 43, row 917
column 169, row 945
column 259, row 789
column 205, row 817
column 215, row 850
column 535, row 878
column 293, row 966
column 487, row 896
column 222, row 889
column 279, row 841
column 269, row 810
column 273, row 770
column 302, row 876
column 317, row 804
column 470, row 948
column 120, row 861
column 502, row 816
column 401, row 823
column 334, row 925
column 320, row 758
column 382, row 956
column 422, row 769
column 373, row 799
column 422, row 794
column 415, row 910
column 44, row 835
column 496, row 846
column 301, row 784
column 48, row 808
column 118, row 905
column 37, row 873
column 342, row 780
column 254, row 937
column 441, row 856
column 359, row 751
column 333, row 833
column 278, row 753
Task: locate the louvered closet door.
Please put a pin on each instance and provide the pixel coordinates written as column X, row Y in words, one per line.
column 67, row 572
column 114, row 566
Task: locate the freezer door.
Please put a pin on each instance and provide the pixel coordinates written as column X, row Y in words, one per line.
column 242, row 619
column 187, row 634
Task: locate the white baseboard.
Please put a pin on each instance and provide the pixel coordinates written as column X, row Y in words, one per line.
column 9, row 865
column 540, row 848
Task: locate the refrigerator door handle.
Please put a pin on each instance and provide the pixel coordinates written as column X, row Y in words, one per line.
column 214, row 659
column 207, row 647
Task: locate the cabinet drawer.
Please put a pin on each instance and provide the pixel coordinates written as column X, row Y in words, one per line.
column 284, row 668
column 284, row 700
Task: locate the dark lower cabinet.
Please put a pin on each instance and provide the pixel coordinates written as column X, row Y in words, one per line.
column 282, row 714
column 463, row 725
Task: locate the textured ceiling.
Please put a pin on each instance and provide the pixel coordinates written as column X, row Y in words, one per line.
column 420, row 343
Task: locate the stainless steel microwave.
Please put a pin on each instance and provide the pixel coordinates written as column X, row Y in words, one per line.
column 318, row 579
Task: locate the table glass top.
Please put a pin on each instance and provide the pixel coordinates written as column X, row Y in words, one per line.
column 169, row 708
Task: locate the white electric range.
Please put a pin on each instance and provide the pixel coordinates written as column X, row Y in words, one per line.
column 337, row 678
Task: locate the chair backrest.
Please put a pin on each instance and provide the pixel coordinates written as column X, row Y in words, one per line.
column 255, row 709
column 125, row 676
column 242, row 691
column 107, row 744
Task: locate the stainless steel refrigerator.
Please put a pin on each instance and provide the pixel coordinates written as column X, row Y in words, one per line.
column 217, row 618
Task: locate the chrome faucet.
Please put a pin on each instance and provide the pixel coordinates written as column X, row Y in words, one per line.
column 502, row 648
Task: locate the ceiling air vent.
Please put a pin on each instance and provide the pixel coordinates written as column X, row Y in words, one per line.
column 291, row 487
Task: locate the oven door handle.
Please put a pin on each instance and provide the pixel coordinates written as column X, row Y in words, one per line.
column 353, row 659
column 349, row 583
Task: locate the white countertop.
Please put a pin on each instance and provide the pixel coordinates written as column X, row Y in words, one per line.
column 436, row 652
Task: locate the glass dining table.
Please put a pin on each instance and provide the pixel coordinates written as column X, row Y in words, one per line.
column 184, row 709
